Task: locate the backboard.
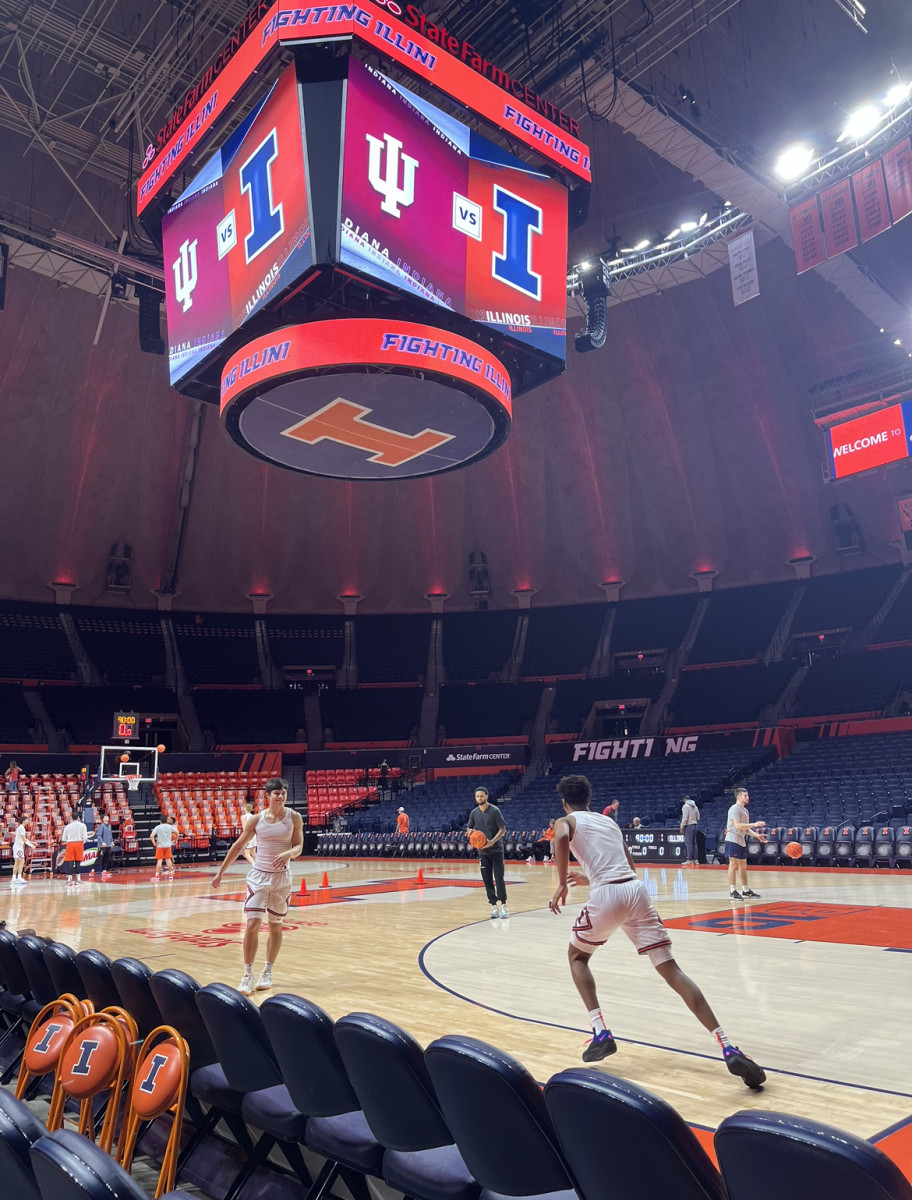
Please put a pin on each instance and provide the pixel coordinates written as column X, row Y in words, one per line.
column 128, row 764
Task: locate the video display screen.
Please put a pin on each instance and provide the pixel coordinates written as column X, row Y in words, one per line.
column 870, row 441
column 240, row 233
column 434, row 209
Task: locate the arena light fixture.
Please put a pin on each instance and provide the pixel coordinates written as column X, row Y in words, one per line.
column 794, row 161
column 688, row 226
column 897, row 93
column 642, row 245
column 861, row 122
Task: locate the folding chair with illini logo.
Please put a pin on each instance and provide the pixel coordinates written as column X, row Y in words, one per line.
column 46, row 1039
column 159, row 1086
column 97, row 1058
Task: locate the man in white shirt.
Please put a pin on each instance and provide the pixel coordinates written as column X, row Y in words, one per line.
column 74, row 838
column 737, row 826
column 690, row 815
column 20, row 841
column 618, row 899
column 162, row 837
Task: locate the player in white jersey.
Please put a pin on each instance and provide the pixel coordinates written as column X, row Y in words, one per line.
column 20, row 841
column 249, row 851
column 618, row 899
column 279, row 833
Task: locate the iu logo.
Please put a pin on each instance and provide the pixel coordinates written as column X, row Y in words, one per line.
column 185, row 279
column 343, row 422
column 387, row 183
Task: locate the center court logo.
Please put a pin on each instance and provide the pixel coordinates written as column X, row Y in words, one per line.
column 387, row 183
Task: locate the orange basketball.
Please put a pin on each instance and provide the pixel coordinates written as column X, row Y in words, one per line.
column 477, row 839
column 793, row 850
column 124, row 758
column 160, row 748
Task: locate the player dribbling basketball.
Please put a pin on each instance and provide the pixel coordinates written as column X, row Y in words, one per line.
column 618, row 899
column 279, row 833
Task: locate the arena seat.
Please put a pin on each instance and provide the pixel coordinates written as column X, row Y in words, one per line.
column 386, row 1068
column 804, row 1158
column 64, row 972
column 883, row 846
column 772, row 848
column 97, row 981
column 826, row 845
column 301, row 1035
column 808, row 843
column 516, row 1155
column 845, row 846
column 67, row 1167
column 651, row 1150
column 19, row 1130
column 31, row 954
column 864, row 846
column 131, row 978
column 902, row 842
column 236, row 1030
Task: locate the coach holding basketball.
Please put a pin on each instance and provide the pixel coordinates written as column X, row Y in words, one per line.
column 737, row 826
column 489, row 819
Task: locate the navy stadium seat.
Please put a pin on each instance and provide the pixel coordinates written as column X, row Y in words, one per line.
column 386, row 1068
column 808, row 843
column 864, row 846
column 902, row 842
column 19, row 1130
column 845, row 846
column 766, row 1154
column 642, row 1143
column 826, row 845
column 517, row 1154
column 883, row 845
column 69, row 1167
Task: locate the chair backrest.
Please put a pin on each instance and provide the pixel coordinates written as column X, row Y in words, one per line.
column 805, row 1158
column 131, row 978
column 96, row 1058
column 12, row 972
column 237, row 1032
column 387, row 1070
column 61, row 963
column 48, row 1035
column 301, row 1035
column 19, row 1130
column 643, row 1147
column 864, row 833
column 97, row 982
column 31, row 954
column 67, row 1167
column 517, row 1154
column 159, row 1086
column 175, row 995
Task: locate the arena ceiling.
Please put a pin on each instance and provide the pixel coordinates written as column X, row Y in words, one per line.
column 687, row 444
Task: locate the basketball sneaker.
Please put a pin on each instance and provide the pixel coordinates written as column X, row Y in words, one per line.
column 495, row 912
column 735, row 896
column 504, row 913
column 246, row 987
column 156, row 878
column 601, row 1046
column 265, row 980
column 747, row 894
column 745, row 1068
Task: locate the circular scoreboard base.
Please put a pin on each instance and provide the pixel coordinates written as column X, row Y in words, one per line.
column 366, row 399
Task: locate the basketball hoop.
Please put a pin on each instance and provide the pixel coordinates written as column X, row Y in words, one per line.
column 133, row 783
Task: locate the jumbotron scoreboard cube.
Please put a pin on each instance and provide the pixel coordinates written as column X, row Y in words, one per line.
column 361, row 279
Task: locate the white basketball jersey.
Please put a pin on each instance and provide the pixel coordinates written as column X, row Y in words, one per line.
column 598, row 845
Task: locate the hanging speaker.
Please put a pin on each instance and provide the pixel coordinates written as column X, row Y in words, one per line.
column 4, row 267
column 150, row 338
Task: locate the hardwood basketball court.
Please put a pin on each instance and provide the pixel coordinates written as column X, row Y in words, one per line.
column 812, row 980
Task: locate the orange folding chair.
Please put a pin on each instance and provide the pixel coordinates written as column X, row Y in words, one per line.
column 47, row 1037
column 97, row 1058
column 159, row 1086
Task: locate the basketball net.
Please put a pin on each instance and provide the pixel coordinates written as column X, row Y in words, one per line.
column 132, row 783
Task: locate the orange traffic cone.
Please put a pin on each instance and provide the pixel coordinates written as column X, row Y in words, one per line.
column 303, row 890
column 420, row 876
column 325, row 882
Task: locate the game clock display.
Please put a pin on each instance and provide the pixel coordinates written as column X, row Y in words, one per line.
column 438, row 211
column 655, row 845
column 126, row 727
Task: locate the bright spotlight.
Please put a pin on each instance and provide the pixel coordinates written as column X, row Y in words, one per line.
column 688, row 226
column 585, row 266
column 794, row 162
column 897, row 93
column 642, row 245
column 703, row 219
column 674, row 233
column 860, row 123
